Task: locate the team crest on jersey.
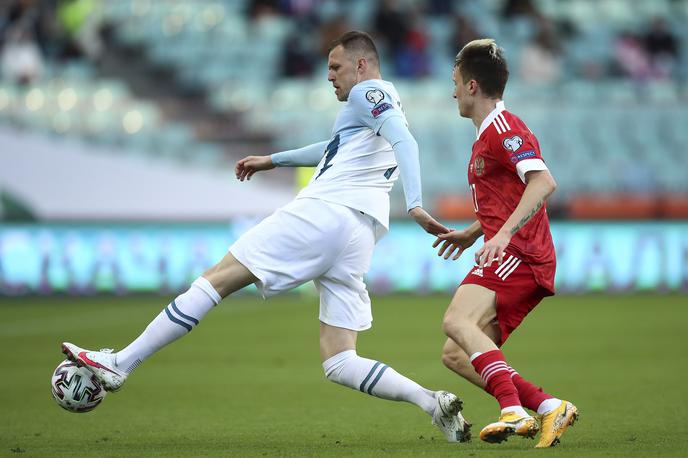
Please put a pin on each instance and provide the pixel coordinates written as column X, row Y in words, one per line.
column 375, row 96
column 479, row 165
column 513, row 143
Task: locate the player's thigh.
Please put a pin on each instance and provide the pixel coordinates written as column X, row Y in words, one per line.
column 229, row 275
column 334, row 340
column 472, row 304
column 344, row 299
column 295, row 244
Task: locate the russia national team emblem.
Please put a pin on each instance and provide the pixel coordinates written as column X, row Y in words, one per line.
column 513, row 143
column 375, row 96
column 479, row 165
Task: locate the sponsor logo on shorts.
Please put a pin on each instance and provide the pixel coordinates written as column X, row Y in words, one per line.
column 378, row 110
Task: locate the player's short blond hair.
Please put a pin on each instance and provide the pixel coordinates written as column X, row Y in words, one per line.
column 483, row 61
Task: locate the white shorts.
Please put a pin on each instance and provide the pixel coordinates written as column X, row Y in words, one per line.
column 310, row 239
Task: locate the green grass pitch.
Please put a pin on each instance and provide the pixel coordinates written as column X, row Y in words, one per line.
column 248, row 380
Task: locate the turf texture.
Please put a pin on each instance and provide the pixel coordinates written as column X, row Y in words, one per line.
column 248, row 380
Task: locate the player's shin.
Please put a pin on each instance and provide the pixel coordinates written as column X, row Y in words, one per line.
column 175, row 321
column 377, row 379
column 495, row 372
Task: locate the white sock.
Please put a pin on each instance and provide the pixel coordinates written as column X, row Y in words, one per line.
column 475, row 355
column 176, row 320
column 377, row 379
column 548, row 405
column 519, row 410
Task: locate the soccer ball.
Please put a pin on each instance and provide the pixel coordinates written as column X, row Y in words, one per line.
column 75, row 388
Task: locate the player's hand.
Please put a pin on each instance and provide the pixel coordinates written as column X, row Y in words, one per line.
column 492, row 250
column 427, row 222
column 249, row 165
column 454, row 242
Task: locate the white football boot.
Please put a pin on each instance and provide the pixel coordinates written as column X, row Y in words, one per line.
column 101, row 363
column 447, row 417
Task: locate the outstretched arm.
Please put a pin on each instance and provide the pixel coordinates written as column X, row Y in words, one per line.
column 307, row 156
column 395, row 131
column 540, row 185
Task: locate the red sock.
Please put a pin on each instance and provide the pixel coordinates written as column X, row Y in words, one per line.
column 531, row 396
column 492, row 367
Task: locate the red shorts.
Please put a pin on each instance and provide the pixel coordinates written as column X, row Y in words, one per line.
column 517, row 291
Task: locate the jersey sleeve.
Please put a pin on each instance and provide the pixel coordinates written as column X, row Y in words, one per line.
column 405, row 149
column 307, row 156
column 372, row 105
column 518, row 151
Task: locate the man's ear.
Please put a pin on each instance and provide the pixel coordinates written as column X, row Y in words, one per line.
column 362, row 65
column 472, row 87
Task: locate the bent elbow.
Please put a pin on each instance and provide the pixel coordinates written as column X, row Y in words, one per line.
column 552, row 185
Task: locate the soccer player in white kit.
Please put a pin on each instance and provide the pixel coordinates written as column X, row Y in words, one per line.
column 327, row 234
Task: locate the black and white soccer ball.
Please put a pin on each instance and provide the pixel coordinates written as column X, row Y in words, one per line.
column 75, row 388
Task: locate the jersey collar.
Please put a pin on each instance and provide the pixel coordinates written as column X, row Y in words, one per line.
column 493, row 114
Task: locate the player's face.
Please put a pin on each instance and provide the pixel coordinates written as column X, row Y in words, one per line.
column 462, row 94
column 341, row 72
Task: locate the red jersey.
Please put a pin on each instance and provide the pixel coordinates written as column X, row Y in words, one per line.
column 504, row 151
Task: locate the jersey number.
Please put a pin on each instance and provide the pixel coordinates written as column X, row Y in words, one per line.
column 474, row 196
column 330, row 153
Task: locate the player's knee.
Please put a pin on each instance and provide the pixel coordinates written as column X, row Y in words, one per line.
column 456, row 322
column 229, row 275
column 452, row 324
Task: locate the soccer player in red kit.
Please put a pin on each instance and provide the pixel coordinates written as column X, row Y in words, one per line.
column 514, row 271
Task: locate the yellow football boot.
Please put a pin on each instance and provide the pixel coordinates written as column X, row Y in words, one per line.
column 554, row 424
column 509, row 424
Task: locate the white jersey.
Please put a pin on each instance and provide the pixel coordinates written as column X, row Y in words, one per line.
column 358, row 168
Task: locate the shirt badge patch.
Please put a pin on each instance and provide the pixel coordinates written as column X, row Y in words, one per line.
column 479, row 164
column 375, row 96
column 524, row 155
column 378, row 110
column 513, row 143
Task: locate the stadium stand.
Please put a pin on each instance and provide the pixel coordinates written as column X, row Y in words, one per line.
column 610, row 112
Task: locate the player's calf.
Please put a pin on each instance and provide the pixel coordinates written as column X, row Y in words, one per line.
column 379, row 380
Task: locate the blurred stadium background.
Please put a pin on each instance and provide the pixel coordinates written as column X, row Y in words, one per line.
column 121, row 121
